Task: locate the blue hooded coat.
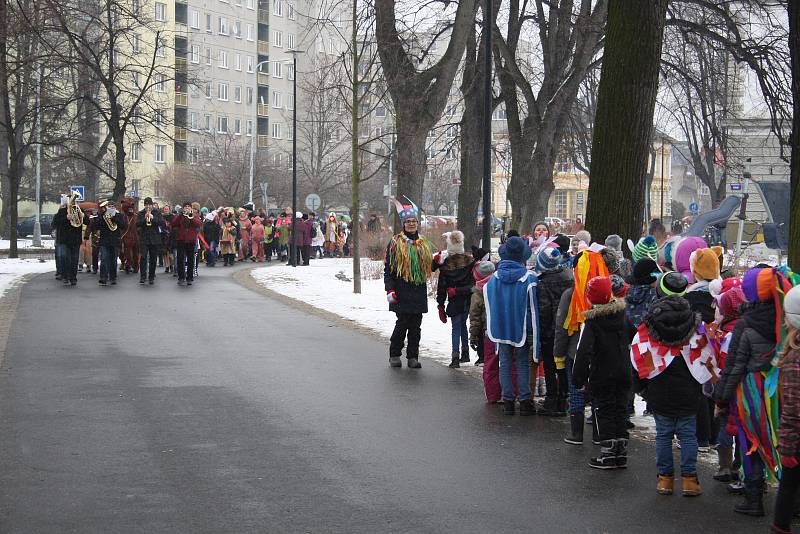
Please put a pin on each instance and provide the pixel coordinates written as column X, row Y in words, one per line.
column 511, row 306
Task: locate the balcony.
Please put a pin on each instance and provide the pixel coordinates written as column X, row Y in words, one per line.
column 181, row 100
column 263, row 16
column 263, row 78
column 181, row 64
column 263, row 141
column 263, row 48
column 180, row 133
column 263, row 110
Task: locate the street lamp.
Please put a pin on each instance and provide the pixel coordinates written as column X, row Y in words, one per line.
column 37, row 225
column 254, row 133
column 293, row 254
column 487, row 139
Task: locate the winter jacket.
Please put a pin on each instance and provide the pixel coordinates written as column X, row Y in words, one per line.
column 66, row 234
column 789, row 429
column 603, row 350
column 150, row 235
column 674, row 392
column 227, row 241
column 109, row 238
column 751, row 349
column 257, row 232
column 564, row 345
column 303, row 233
column 637, row 302
column 701, row 301
column 187, row 229
column 411, row 298
column 511, row 305
column 549, row 290
column 269, row 234
column 211, row 231
column 477, row 317
column 456, row 272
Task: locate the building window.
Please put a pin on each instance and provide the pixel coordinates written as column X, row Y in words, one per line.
column 290, row 10
column 290, row 41
column 499, row 114
column 223, row 26
column 158, row 118
column 207, row 121
column 563, row 164
column 194, row 155
column 161, row 47
column 161, row 11
column 237, row 29
column 195, row 19
column 208, row 22
column 136, row 152
column 135, row 43
column 250, row 32
column 193, row 120
column 222, row 124
column 277, row 7
column 223, row 59
column 451, row 110
column 579, row 201
column 207, row 90
column 250, row 64
column 380, row 111
column 249, row 96
column 195, row 53
column 136, row 7
column 160, row 83
column 156, row 188
column 237, row 62
column 136, row 185
column 237, row 94
column 249, row 127
column 237, row 126
column 161, row 151
column 290, row 71
column 277, row 38
column 277, row 130
column 277, row 101
column 208, row 56
column 251, row 4
column 290, row 103
column 561, row 204
column 277, row 71
column 452, row 131
column 222, row 91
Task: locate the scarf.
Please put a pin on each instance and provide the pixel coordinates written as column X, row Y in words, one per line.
column 410, row 258
column 650, row 358
column 589, row 265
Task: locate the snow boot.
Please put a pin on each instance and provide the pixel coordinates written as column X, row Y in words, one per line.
column 464, row 355
column 526, row 407
column 665, row 484
column 725, row 461
column 608, row 456
column 549, row 407
column 691, row 486
column 454, row 361
column 413, row 363
column 753, row 503
column 575, row 436
column 395, row 361
column 508, row 407
column 622, row 452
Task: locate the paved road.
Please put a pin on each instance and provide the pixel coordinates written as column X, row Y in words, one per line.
column 215, row 409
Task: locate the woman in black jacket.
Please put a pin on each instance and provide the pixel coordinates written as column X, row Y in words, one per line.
column 455, row 288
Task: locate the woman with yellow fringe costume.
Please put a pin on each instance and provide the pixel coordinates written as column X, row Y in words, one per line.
column 749, row 384
column 409, row 260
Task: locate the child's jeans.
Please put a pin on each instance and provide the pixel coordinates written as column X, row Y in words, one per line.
column 686, row 430
column 517, row 356
column 491, row 373
column 577, row 399
column 460, row 333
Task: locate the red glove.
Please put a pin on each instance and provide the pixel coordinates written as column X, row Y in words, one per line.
column 789, row 462
column 451, row 292
column 442, row 314
column 391, row 296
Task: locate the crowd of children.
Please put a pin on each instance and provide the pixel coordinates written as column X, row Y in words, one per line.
column 715, row 356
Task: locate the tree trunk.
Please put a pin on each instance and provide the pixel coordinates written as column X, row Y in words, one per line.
column 411, row 161
column 356, row 175
column 794, row 212
column 119, row 165
column 623, row 126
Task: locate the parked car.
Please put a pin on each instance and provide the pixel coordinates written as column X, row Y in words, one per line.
column 25, row 225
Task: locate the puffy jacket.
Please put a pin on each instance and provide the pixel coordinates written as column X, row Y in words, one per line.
column 751, row 349
column 477, row 316
column 701, row 301
column 66, row 234
column 211, row 231
column 150, row 235
column 552, row 286
column 455, row 272
column 637, row 302
column 109, row 238
column 564, row 345
column 603, row 350
column 187, row 229
column 789, row 430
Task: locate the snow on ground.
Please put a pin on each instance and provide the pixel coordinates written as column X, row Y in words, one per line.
column 47, row 244
column 12, row 270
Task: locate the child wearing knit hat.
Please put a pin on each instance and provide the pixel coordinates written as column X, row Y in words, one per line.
column 602, row 362
column 645, row 248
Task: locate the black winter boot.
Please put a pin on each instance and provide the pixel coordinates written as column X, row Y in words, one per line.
column 413, row 363
column 454, row 361
column 622, row 452
column 608, row 456
column 575, row 437
column 395, row 361
column 753, row 503
column 549, row 407
column 465, row 354
column 509, row 407
column 526, row 407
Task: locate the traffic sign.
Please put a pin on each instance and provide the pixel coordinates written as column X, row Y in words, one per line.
column 694, row 207
column 80, row 190
column 313, row 201
column 736, row 187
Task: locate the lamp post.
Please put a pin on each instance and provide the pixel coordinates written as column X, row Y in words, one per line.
column 254, row 138
column 487, row 139
column 293, row 253
column 37, row 225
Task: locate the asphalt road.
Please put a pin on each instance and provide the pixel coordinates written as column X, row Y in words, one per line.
column 216, row 409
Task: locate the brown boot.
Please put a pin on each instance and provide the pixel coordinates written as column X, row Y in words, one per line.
column 691, row 486
column 665, row 483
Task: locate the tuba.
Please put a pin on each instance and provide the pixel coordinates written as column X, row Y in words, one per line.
column 74, row 212
column 109, row 221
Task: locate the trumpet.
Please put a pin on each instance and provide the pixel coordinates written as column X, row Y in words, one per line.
column 74, row 212
column 188, row 212
column 148, row 218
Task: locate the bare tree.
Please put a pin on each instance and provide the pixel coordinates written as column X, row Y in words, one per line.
column 794, row 219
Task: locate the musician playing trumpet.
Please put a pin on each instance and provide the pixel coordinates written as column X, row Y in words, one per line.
column 151, row 225
column 68, row 222
column 188, row 226
column 111, row 224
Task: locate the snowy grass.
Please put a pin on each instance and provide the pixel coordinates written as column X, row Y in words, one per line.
column 48, row 244
column 12, row 270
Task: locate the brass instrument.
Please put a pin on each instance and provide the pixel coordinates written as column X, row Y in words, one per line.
column 74, row 212
column 148, row 217
column 109, row 221
column 188, row 212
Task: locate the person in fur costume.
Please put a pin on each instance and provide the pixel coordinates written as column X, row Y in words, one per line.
column 257, row 240
column 454, row 289
column 245, row 249
column 407, row 268
column 602, row 362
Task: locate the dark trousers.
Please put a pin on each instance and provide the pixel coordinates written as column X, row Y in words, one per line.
column 408, row 324
column 185, row 263
column 306, row 253
column 610, row 410
column 95, row 258
column 705, row 415
column 148, row 256
column 108, row 262
column 787, row 500
column 555, row 382
column 67, row 261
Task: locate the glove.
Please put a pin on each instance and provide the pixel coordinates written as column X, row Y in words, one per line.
column 790, row 462
column 440, row 256
column 474, row 345
column 442, row 314
column 391, row 296
column 561, row 362
column 451, row 292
